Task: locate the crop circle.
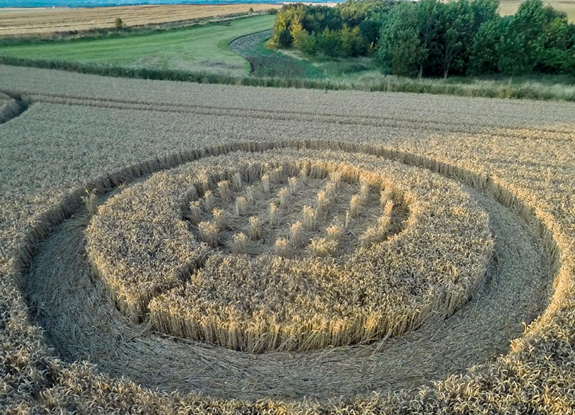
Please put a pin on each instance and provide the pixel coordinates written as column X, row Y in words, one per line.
column 290, row 250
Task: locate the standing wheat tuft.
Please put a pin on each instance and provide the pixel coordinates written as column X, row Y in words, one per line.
column 238, row 244
column 276, row 175
column 266, row 183
column 296, row 234
column 282, row 247
column 283, row 194
column 224, row 189
column 209, row 233
column 273, row 213
column 292, row 182
column 255, row 229
column 334, row 232
column 195, row 211
column 321, row 247
column 330, row 190
column 220, row 218
column 237, row 182
column 364, row 193
column 308, row 218
column 354, row 205
column 250, row 194
column 335, row 177
column 241, row 206
column 208, row 200
column 322, row 203
column 303, row 176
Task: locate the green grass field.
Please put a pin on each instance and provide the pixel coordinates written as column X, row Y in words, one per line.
column 199, row 48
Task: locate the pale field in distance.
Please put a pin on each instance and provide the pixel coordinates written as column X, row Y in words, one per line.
column 508, row 7
column 92, row 132
column 18, row 22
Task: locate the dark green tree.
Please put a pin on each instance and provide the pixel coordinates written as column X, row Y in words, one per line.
column 429, row 26
column 289, row 16
column 523, row 41
column 484, row 50
column 400, row 50
column 456, row 35
column 369, row 30
column 558, row 55
column 308, row 43
column 483, row 11
column 284, row 39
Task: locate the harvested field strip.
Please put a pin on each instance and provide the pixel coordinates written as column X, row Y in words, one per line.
column 558, row 134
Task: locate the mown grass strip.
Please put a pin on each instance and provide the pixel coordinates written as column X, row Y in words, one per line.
column 114, row 33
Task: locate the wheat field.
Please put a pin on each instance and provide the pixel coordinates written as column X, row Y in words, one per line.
column 294, row 267
column 105, row 179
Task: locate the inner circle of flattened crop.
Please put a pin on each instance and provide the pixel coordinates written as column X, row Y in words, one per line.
column 290, row 250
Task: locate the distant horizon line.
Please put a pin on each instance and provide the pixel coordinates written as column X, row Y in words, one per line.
column 67, row 4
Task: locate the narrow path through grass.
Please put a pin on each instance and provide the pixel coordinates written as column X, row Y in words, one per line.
column 271, row 63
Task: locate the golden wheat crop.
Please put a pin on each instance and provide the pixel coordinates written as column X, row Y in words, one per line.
column 337, row 282
column 66, row 347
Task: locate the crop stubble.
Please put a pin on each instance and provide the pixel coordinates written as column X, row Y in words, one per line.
column 527, row 156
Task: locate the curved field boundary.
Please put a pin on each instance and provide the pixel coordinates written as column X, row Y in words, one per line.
column 482, row 183
column 270, row 63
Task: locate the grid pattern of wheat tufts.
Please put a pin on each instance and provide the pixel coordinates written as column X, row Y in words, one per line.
column 332, row 249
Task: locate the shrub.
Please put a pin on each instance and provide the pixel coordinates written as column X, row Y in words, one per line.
column 285, row 39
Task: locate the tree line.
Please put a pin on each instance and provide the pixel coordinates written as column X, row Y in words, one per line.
column 432, row 38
